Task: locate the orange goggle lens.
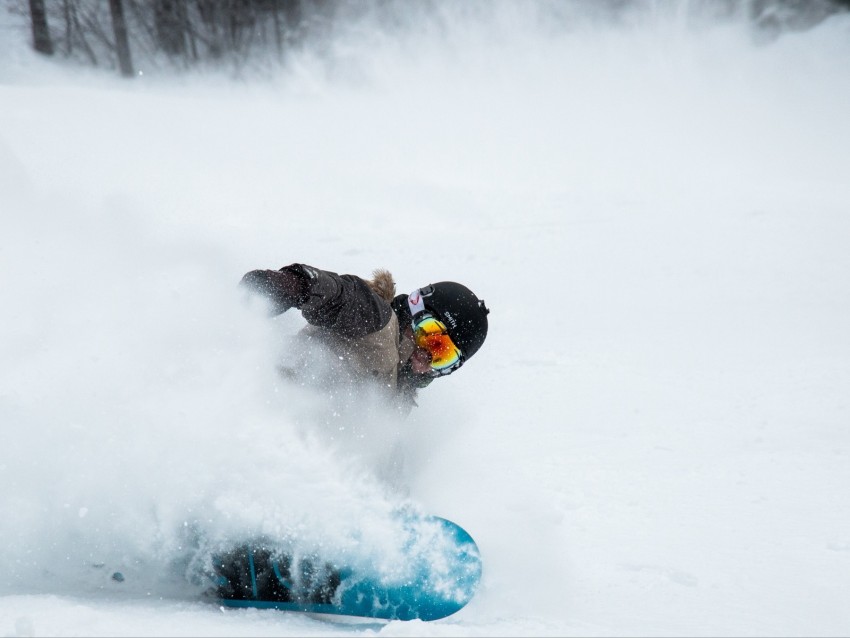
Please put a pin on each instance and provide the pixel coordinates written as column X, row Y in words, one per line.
column 433, row 336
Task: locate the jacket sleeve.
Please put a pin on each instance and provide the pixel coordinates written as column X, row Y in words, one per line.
column 344, row 304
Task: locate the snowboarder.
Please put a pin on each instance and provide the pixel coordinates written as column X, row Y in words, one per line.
column 402, row 341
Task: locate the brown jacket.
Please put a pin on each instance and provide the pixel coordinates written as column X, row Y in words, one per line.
column 355, row 318
column 375, row 355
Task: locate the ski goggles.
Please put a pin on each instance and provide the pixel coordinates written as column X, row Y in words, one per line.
column 431, row 335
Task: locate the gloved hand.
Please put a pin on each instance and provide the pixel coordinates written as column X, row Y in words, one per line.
column 285, row 288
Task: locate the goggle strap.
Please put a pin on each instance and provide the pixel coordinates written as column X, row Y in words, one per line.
column 415, row 303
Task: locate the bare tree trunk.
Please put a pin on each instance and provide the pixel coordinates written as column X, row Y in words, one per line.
column 278, row 30
column 69, row 27
column 170, row 30
column 122, row 44
column 78, row 29
column 190, row 31
column 40, row 31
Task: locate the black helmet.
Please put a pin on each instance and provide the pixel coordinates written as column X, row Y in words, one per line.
column 464, row 314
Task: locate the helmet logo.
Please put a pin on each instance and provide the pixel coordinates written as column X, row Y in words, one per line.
column 450, row 319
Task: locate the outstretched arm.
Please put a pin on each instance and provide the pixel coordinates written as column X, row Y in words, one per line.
column 344, row 304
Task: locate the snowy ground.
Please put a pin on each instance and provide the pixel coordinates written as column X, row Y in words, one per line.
column 654, row 439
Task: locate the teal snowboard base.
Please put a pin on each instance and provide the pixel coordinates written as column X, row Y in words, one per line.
column 442, row 572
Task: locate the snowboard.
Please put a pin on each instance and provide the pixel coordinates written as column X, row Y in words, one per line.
column 441, row 571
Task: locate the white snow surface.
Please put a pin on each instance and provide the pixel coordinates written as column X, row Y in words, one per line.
column 655, row 438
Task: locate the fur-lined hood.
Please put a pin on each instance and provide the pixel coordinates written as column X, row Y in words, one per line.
column 382, row 284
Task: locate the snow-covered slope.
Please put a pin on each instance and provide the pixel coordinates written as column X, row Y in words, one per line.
column 654, row 439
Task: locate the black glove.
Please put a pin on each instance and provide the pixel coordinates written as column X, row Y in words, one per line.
column 285, row 288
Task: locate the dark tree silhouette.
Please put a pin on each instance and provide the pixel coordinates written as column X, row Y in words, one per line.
column 40, row 31
column 122, row 44
column 170, row 27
